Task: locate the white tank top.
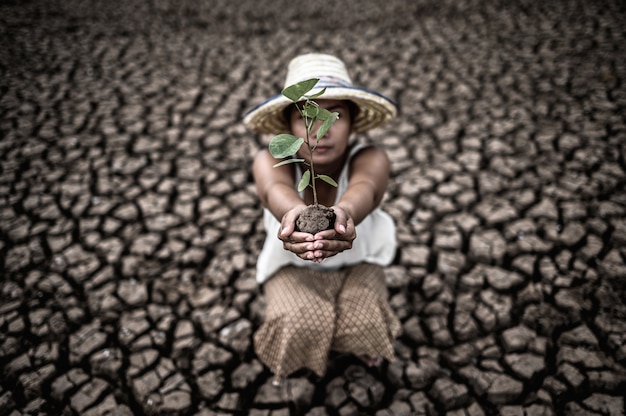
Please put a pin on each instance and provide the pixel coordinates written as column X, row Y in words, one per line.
column 375, row 239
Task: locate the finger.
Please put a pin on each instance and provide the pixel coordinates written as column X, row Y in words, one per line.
column 325, row 235
column 286, row 229
column 310, row 255
column 301, row 248
column 332, row 235
column 333, row 249
column 341, row 220
column 297, row 237
column 324, row 254
column 341, row 225
column 288, row 223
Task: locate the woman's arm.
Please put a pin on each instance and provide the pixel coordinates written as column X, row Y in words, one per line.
column 276, row 190
column 369, row 175
column 275, row 186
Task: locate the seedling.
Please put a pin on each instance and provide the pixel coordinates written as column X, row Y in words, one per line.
column 287, row 145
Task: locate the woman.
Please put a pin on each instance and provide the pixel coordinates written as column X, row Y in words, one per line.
column 325, row 291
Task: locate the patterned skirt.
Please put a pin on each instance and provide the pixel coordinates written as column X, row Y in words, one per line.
column 309, row 313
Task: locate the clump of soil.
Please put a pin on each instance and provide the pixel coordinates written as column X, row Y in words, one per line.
column 316, row 218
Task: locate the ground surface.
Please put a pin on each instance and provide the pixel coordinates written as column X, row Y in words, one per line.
column 129, row 226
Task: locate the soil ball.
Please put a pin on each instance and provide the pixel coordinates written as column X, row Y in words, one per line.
column 316, row 218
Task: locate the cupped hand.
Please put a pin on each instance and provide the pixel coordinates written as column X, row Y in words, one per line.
column 332, row 242
column 299, row 243
column 322, row 245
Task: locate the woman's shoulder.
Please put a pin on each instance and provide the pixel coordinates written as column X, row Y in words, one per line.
column 368, row 153
column 359, row 148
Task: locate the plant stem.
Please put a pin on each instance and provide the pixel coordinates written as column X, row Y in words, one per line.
column 309, row 126
column 312, row 169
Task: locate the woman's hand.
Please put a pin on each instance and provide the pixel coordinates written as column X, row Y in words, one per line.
column 332, row 242
column 301, row 244
column 324, row 244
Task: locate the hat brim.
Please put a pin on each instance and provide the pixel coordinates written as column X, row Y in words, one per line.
column 374, row 110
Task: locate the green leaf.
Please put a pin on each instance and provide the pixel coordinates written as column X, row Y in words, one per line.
column 304, row 181
column 326, row 125
column 312, row 111
column 296, row 91
column 324, row 114
column 328, row 180
column 314, row 96
column 288, row 161
column 285, row 145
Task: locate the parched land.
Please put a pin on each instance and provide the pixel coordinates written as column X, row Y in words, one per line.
column 129, row 224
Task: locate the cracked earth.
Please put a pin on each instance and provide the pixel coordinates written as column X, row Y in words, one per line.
column 129, row 225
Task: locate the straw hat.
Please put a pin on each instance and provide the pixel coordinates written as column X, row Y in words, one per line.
column 374, row 109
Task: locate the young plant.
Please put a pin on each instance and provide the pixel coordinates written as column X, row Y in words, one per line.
column 287, row 145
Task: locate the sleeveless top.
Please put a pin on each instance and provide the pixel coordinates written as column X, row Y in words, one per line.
column 375, row 239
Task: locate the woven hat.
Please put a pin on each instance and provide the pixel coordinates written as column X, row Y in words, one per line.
column 374, row 109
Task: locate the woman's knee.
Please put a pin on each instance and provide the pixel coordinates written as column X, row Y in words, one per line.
column 313, row 320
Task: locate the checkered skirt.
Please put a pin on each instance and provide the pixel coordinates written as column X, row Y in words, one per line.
column 311, row 312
